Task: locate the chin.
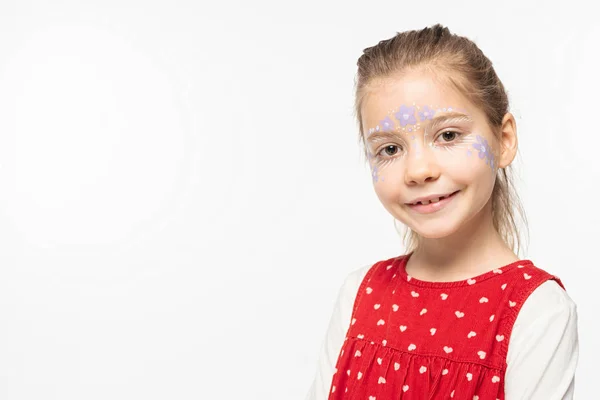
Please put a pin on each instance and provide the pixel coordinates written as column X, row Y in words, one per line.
column 435, row 231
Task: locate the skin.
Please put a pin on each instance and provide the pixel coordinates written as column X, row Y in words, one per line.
column 459, row 241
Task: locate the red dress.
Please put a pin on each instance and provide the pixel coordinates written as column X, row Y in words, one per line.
column 411, row 339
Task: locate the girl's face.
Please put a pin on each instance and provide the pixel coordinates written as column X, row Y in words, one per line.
column 427, row 142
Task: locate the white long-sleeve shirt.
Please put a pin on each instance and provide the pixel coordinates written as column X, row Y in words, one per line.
column 542, row 355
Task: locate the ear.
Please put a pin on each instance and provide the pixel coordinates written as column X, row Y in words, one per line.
column 508, row 141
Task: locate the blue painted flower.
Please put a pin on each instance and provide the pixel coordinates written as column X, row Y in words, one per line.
column 406, row 115
column 485, row 151
column 375, row 174
column 387, row 124
column 426, row 113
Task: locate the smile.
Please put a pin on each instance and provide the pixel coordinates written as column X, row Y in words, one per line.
column 432, row 204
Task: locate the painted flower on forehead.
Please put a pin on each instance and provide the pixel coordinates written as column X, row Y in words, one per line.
column 485, row 151
column 387, row 124
column 406, row 115
column 426, row 113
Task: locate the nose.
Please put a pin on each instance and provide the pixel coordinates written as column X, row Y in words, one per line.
column 421, row 167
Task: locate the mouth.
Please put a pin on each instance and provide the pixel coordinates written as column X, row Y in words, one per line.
column 432, row 204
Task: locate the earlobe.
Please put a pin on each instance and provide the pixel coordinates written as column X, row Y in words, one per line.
column 508, row 141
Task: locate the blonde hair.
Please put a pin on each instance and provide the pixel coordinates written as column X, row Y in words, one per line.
column 461, row 63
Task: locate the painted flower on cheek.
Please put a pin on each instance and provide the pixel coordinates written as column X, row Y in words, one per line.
column 406, row 115
column 374, row 169
column 485, row 151
column 387, row 124
column 426, row 113
column 375, row 174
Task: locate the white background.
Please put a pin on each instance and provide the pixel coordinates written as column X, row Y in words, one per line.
column 182, row 192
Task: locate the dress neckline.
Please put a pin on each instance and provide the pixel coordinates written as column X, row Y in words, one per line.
column 403, row 260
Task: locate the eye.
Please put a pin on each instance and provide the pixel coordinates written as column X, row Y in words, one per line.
column 389, row 147
column 449, row 136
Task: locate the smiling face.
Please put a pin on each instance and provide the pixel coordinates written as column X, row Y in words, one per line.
column 426, row 141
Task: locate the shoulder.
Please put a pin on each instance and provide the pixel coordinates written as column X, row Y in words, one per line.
column 355, row 277
column 548, row 300
column 353, row 280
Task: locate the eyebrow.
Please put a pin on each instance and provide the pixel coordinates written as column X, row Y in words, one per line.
column 451, row 117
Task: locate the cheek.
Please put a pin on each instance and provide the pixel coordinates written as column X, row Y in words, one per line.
column 387, row 180
column 472, row 171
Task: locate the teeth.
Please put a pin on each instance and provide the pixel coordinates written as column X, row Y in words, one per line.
column 434, row 200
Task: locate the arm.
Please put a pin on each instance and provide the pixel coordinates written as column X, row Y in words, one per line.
column 336, row 332
column 544, row 347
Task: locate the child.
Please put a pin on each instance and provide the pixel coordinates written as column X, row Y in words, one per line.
column 459, row 316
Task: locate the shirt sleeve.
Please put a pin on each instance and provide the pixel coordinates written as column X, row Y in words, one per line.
column 544, row 347
column 336, row 332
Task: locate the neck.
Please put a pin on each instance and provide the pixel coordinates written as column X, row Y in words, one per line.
column 474, row 249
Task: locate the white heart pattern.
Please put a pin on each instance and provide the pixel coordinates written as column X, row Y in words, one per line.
column 471, row 281
column 348, row 372
column 408, row 277
column 395, row 307
column 503, row 286
column 495, row 379
column 444, row 296
column 411, row 347
column 359, row 375
column 423, row 311
column 384, row 342
column 483, row 300
column 512, row 303
column 445, row 372
column 380, row 322
column 499, row 338
column 396, row 366
column 521, row 266
column 333, row 389
column 360, row 336
column 369, row 290
column 491, row 317
column 447, row 349
column 471, row 334
column 526, row 276
column 469, row 376
column 422, row 369
column 381, row 380
column 353, row 321
column 432, row 330
column 379, row 360
column 459, row 314
column 372, row 398
column 376, row 306
column 402, row 328
column 481, row 354
column 357, row 354
column 475, row 397
column 388, row 267
column 497, row 271
column 414, row 294
column 404, row 388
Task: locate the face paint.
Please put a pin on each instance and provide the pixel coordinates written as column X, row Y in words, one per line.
column 485, row 152
column 436, row 147
column 450, row 144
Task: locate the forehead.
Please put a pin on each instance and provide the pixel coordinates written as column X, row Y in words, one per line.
column 419, row 88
